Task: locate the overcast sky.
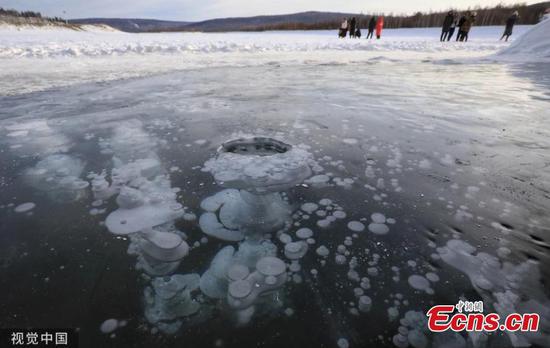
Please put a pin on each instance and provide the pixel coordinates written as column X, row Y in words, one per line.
column 193, row 10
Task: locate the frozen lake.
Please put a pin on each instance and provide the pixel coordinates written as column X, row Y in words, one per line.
column 427, row 182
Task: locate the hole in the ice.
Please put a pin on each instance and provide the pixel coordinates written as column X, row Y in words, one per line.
column 537, row 238
column 456, row 229
column 431, row 232
column 434, row 265
column 531, row 256
column 507, row 226
column 255, row 146
column 539, row 241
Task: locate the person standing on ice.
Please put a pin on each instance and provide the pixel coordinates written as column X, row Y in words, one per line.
column 372, row 25
column 459, row 26
column 343, row 28
column 510, row 22
column 352, row 24
column 451, row 30
column 379, row 27
column 467, row 25
column 447, row 22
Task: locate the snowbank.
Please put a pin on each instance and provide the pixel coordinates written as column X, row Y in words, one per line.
column 66, row 43
column 534, row 45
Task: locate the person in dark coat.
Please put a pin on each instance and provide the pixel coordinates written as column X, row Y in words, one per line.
column 451, row 30
column 510, row 22
column 352, row 25
column 372, row 26
column 466, row 26
column 358, row 32
column 447, row 22
column 459, row 25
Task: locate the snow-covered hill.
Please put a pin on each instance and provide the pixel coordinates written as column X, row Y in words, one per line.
column 534, row 45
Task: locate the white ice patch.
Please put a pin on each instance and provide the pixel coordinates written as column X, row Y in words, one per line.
column 108, row 326
column 350, row 141
column 447, row 160
column 318, row 180
column 25, row 207
column 425, row 164
column 309, row 207
column 304, row 233
column 378, row 218
column 377, row 228
column 37, row 137
column 418, row 282
column 356, row 226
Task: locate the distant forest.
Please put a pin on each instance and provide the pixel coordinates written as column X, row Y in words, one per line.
column 29, row 14
column 529, row 14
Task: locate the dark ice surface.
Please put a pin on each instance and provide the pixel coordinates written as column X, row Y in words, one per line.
column 467, row 147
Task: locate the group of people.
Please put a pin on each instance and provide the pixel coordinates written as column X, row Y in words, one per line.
column 451, row 23
column 351, row 26
column 465, row 23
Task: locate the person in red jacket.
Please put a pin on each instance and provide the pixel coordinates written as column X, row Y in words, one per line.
column 379, row 26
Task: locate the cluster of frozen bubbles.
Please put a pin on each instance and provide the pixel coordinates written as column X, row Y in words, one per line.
column 252, row 208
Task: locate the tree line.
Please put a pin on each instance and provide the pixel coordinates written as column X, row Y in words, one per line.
column 28, row 14
column 497, row 15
